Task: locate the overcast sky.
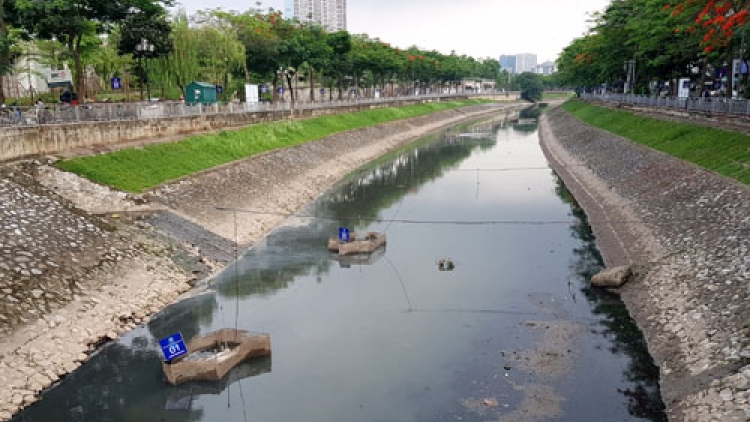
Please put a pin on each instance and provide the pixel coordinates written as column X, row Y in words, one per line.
column 479, row 28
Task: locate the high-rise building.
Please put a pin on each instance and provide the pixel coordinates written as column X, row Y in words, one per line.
column 508, row 63
column 546, row 68
column 330, row 14
column 525, row 63
column 288, row 9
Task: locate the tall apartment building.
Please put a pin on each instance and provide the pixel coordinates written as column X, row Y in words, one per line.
column 525, row 63
column 330, row 14
column 508, row 63
column 546, row 68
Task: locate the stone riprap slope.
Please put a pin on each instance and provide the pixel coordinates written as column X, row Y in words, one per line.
column 45, row 246
column 69, row 281
column 688, row 232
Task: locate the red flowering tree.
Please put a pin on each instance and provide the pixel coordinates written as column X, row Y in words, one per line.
column 717, row 20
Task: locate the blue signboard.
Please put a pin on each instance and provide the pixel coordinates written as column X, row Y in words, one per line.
column 219, row 89
column 173, row 347
column 343, row 234
column 281, row 90
column 116, row 83
column 264, row 89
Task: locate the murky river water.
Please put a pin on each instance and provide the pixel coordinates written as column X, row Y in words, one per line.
column 513, row 333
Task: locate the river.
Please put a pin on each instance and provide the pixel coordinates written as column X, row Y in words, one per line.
column 513, row 332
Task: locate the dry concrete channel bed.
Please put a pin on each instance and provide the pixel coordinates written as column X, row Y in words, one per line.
column 81, row 264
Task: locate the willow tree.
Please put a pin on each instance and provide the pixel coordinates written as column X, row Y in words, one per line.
column 220, row 54
column 183, row 61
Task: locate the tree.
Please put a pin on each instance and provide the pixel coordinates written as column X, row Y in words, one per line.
column 339, row 64
column 9, row 38
column 631, row 31
column 531, row 86
column 70, row 21
column 718, row 21
column 258, row 34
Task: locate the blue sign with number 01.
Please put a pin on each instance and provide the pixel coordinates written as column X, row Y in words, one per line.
column 343, row 234
column 116, row 83
column 173, row 347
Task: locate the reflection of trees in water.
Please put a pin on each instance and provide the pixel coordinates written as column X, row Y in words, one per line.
column 185, row 316
column 290, row 252
column 287, row 253
column 530, row 113
column 525, row 128
column 644, row 397
column 372, row 191
column 125, row 384
column 103, row 390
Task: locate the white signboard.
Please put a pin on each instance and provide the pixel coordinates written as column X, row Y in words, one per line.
column 683, row 89
column 59, row 78
column 251, row 93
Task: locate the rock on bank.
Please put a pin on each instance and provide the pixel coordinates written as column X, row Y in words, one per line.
column 689, row 229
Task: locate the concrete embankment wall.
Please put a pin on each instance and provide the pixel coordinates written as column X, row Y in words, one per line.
column 687, row 230
column 27, row 141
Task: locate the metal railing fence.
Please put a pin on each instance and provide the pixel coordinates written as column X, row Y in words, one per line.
column 66, row 114
column 713, row 105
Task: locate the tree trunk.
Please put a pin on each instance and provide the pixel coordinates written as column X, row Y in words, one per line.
column 291, row 88
column 81, row 88
column 274, row 95
column 312, row 84
column 702, row 86
column 4, row 59
column 730, row 70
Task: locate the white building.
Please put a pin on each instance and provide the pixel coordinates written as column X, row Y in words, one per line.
column 525, row 62
column 547, row 68
column 330, row 14
column 29, row 77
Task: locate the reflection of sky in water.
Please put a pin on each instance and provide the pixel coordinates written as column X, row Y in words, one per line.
column 494, row 192
column 396, row 339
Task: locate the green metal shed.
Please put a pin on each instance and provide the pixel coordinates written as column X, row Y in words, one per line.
column 200, row 93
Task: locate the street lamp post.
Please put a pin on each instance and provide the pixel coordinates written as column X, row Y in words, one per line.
column 146, row 49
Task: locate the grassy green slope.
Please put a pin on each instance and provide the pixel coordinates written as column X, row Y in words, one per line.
column 138, row 169
column 725, row 152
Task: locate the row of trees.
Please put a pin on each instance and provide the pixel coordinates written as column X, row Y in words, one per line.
column 662, row 40
column 225, row 48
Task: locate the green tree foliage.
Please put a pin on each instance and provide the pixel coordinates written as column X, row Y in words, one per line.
column 71, row 21
column 9, row 39
column 338, row 64
column 531, row 86
column 666, row 39
column 228, row 48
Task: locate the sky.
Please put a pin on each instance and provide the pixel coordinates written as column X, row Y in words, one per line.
column 478, row 28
